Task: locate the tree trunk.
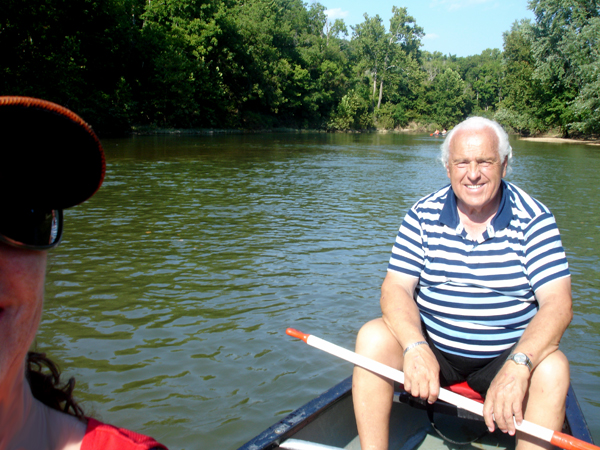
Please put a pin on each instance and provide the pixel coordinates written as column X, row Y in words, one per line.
column 374, row 84
column 380, row 94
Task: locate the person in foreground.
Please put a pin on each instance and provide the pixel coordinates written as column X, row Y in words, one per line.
column 51, row 160
column 478, row 289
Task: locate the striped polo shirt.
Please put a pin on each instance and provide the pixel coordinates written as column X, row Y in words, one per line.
column 477, row 297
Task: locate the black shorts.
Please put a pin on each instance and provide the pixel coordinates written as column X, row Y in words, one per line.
column 478, row 373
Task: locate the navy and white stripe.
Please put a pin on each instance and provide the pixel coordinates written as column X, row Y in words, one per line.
column 477, row 297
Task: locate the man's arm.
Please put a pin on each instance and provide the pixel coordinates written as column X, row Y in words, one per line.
column 401, row 315
column 541, row 338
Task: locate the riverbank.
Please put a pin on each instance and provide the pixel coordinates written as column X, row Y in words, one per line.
column 216, row 131
column 411, row 129
column 562, row 140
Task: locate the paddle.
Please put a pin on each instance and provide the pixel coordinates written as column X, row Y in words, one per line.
column 561, row 440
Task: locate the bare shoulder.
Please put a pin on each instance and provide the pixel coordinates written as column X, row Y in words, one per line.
column 67, row 431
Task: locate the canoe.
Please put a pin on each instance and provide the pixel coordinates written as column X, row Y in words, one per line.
column 327, row 423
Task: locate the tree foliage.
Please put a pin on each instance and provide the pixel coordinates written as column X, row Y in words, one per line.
column 564, row 44
column 447, row 99
column 125, row 64
column 522, row 104
column 385, row 54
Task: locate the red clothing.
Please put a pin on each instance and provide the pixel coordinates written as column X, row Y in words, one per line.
column 100, row 436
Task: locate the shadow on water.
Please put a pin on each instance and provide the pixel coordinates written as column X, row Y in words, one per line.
column 169, row 297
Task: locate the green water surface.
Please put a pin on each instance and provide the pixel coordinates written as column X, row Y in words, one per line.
column 170, row 295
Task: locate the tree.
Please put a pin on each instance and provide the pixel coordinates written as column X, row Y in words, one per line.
column 369, row 38
column 447, row 99
column 182, row 80
column 522, row 105
column 322, row 54
column 352, row 113
column 586, row 105
column 565, row 49
column 402, row 46
column 276, row 37
column 383, row 53
column 405, row 97
column 74, row 53
column 483, row 74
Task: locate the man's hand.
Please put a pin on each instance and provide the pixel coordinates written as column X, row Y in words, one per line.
column 504, row 399
column 422, row 373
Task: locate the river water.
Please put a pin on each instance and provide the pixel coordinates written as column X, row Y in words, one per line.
column 170, row 295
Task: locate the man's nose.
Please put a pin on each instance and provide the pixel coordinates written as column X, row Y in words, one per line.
column 473, row 170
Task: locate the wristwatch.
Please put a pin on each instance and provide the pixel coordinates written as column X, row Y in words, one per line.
column 521, row 359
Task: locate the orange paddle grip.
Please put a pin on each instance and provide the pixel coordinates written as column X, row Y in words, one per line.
column 567, row 442
column 297, row 334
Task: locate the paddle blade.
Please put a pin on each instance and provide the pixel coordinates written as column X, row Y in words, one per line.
column 570, row 443
column 297, row 334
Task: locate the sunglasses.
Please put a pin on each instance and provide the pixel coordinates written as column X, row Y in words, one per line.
column 34, row 229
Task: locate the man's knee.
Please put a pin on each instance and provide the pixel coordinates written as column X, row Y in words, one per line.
column 552, row 374
column 375, row 338
column 545, row 402
column 373, row 333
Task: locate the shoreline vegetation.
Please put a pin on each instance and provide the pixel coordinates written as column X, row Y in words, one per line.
column 134, row 65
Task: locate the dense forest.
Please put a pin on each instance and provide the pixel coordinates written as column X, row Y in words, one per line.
column 128, row 65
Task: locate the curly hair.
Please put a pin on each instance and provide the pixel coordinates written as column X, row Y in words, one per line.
column 43, row 376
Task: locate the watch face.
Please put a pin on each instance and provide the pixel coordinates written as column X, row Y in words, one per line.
column 520, row 358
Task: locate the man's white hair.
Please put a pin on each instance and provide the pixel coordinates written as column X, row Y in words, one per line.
column 479, row 123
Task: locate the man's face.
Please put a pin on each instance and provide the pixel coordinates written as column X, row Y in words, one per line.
column 475, row 170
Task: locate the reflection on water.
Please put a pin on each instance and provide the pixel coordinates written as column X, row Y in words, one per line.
column 170, row 295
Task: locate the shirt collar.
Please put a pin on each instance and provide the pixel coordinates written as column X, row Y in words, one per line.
column 449, row 214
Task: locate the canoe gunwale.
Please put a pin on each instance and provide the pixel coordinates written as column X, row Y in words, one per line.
column 574, row 418
column 300, row 418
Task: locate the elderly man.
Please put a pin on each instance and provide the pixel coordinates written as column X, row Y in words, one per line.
column 478, row 289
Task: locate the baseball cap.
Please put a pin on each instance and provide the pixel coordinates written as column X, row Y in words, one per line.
column 50, row 157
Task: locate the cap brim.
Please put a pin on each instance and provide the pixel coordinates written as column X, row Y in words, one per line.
column 51, row 158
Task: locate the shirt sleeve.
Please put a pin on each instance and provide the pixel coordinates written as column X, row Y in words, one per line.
column 545, row 258
column 407, row 253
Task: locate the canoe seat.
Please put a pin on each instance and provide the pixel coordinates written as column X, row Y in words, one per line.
column 466, row 391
